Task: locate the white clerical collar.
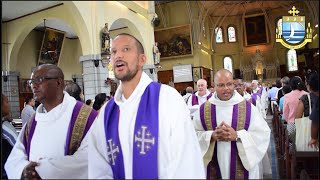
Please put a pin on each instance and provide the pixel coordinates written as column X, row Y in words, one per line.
column 143, row 83
column 205, row 95
column 235, row 99
column 55, row 113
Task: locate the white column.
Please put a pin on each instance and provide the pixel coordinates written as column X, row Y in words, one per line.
column 94, row 77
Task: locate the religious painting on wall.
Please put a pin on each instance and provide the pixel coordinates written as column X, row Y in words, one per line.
column 51, row 46
column 174, row 42
column 24, row 86
column 197, row 74
column 255, row 30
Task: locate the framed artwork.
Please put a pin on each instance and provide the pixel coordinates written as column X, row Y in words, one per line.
column 255, row 30
column 197, row 74
column 24, row 86
column 174, row 42
column 51, row 46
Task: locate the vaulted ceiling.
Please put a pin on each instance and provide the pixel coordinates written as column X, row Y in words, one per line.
column 15, row 9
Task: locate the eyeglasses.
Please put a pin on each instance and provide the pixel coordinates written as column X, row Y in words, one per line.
column 229, row 85
column 238, row 85
column 40, row 80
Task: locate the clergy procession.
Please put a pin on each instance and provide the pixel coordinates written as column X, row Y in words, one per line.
column 147, row 130
column 134, row 90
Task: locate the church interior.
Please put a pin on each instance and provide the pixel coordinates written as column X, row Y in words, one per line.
column 194, row 38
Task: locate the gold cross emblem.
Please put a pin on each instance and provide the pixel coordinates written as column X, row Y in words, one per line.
column 294, row 12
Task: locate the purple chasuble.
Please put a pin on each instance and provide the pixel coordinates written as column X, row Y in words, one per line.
column 195, row 99
column 240, row 120
column 82, row 128
column 145, row 140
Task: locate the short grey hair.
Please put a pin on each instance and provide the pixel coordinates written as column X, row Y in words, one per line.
column 285, row 80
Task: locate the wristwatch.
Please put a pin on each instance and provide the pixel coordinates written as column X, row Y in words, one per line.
column 238, row 138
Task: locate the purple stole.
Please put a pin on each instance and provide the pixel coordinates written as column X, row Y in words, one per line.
column 81, row 120
column 195, row 99
column 254, row 98
column 145, row 140
column 240, row 120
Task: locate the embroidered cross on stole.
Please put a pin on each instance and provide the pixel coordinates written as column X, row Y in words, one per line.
column 195, row 99
column 145, row 140
column 240, row 120
column 81, row 121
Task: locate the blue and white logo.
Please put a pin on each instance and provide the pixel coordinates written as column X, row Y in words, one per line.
column 293, row 32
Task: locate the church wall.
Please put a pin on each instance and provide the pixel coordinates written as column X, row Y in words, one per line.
column 29, row 54
column 69, row 59
column 175, row 14
column 271, row 52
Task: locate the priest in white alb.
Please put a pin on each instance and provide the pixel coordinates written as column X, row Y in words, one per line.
column 233, row 139
column 198, row 98
column 145, row 131
column 53, row 143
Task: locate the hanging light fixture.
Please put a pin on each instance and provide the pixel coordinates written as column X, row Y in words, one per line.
column 44, row 24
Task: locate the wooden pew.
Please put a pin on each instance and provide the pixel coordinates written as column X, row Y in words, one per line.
column 287, row 156
column 307, row 161
column 281, row 154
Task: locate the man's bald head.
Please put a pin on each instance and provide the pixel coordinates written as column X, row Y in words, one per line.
column 51, row 69
column 222, row 72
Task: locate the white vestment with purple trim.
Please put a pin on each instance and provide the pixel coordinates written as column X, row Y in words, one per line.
column 48, row 146
column 252, row 147
column 179, row 154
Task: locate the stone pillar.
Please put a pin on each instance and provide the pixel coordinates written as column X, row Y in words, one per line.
column 94, row 77
column 152, row 71
column 79, row 80
column 10, row 88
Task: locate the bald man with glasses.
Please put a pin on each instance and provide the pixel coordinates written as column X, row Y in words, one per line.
column 53, row 143
column 233, row 138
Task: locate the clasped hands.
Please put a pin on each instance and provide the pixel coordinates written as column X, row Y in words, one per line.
column 29, row 172
column 224, row 132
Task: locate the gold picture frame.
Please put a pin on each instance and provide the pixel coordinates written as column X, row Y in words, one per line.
column 255, row 29
column 51, row 46
column 174, row 42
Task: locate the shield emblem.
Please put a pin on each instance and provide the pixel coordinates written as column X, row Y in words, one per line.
column 293, row 29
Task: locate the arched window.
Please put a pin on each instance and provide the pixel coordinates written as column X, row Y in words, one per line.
column 227, row 63
column 232, row 34
column 292, row 60
column 219, row 35
column 279, row 25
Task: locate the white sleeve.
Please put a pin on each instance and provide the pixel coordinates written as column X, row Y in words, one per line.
column 204, row 138
column 98, row 165
column 65, row 167
column 193, row 108
column 254, row 142
column 17, row 159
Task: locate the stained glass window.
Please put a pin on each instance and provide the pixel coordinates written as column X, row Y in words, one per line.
column 231, row 34
column 292, row 60
column 279, row 26
column 219, row 36
column 227, row 64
